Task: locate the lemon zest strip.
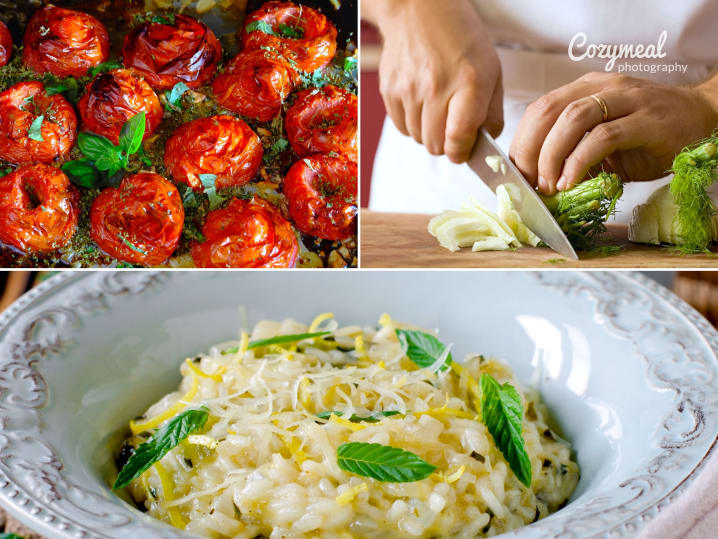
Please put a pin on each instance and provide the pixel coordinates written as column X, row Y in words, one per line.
column 217, row 376
column 348, row 495
column 183, row 401
column 318, row 320
column 167, row 486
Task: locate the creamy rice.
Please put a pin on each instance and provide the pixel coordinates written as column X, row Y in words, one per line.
column 265, row 464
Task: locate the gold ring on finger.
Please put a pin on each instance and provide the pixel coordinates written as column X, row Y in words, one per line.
column 602, row 104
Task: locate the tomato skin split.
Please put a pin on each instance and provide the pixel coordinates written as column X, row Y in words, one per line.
column 221, row 145
column 39, row 209
column 164, row 55
column 313, row 50
column 324, row 120
column 140, row 221
column 20, row 106
column 112, row 98
column 64, row 42
column 246, row 234
column 255, row 84
column 322, row 194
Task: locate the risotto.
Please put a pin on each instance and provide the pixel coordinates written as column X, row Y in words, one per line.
column 322, row 431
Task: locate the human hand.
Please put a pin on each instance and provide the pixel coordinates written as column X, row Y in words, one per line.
column 440, row 76
column 563, row 134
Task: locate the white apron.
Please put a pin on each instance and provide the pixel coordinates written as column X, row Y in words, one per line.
column 532, row 43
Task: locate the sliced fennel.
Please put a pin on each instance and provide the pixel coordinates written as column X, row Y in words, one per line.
column 509, row 196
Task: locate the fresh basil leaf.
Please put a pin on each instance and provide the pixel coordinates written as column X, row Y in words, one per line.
column 275, row 149
column 207, row 180
column 105, row 66
column 35, row 131
column 501, row 412
column 82, row 173
column 422, row 348
column 262, row 26
column 280, row 339
column 350, row 64
column 109, row 163
column 94, row 146
column 382, row 462
column 174, row 97
column 358, row 419
column 162, row 441
column 132, row 132
column 294, row 32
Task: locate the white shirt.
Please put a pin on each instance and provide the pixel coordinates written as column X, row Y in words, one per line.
column 532, row 39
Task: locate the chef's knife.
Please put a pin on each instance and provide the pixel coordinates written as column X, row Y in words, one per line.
column 531, row 208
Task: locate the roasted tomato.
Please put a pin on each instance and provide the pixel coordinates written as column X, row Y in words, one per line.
column 322, row 193
column 39, row 208
column 113, row 98
column 246, row 234
column 302, row 34
column 5, row 44
column 20, row 106
column 64, row 42
column 164, row 54
column 255, row 84
column 221, row 145
column 140, row 221
column 323, row 120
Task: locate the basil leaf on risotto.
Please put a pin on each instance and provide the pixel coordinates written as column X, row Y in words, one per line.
column 422, row 348
column 165, row 439
column 501, row 412
column 382, row 462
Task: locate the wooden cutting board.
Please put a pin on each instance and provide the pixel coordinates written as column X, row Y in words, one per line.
column 401, row 240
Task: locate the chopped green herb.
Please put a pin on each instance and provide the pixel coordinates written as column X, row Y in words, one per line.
column 275, row 149
column 131, row 245
column 294, row 32
column 359, row 419
column 168, row 19
column 262, row 26
column 174, row 97
column 280, row 339
column 382, row 462
column 105, row 66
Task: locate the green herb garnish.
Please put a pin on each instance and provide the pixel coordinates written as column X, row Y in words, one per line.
column 294, row 32
column 174, row 97
column 35, row 131
column 501, row 412
column 65, row 85
column 382, row 462
column 105, row 66
column 422, row 348
column 359, row 419
column 280, row 339
column 168, row 19
column 81, row 172
column 275, row 149
column 162, row 441
column 262, row 26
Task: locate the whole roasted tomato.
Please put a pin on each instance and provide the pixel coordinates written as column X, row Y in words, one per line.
column 322, row 193
column 113, row 98
column 301, row 34
column 255, row 84
column 323, row 120
column 20, row 107
column 165, row 54
column 246, row 234
column 140, row 221
column 64, row 42
column 39, row 208
column 220, row 145
column 5, row 44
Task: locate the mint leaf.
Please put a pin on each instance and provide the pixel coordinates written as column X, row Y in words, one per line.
column 374, row 418
column 262, row 26
column 382, row 462
column 422, row 348
column 82, row 173
column 94, row 146
column 501, row 412
column 35, row 131
column 165, row 439
column 280, row 339
column 105, row 66
column 132, row 132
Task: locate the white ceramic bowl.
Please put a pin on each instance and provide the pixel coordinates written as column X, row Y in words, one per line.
column 628, row 370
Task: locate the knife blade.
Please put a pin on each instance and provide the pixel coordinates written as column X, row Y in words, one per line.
column 531, row 208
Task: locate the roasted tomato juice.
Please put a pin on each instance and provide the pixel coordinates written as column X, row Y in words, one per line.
column 246, row 156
